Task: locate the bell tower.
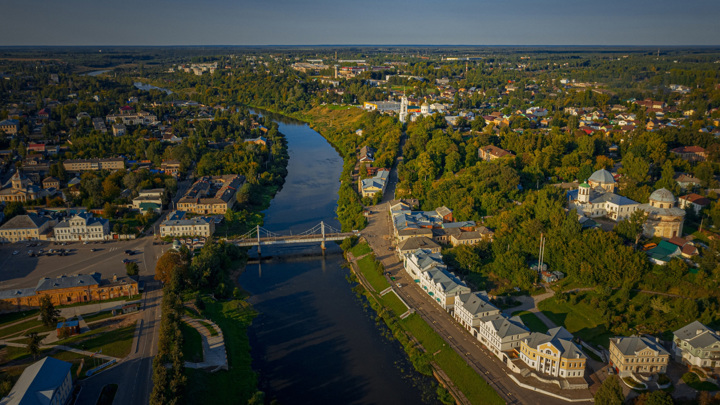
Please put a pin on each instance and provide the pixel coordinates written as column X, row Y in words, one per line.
column 584, row 193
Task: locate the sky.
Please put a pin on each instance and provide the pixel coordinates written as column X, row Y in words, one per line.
column 368, row 22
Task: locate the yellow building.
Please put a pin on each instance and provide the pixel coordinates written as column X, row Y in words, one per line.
column 211, row 195
column 25, row 227
column 553, row 353
column 636, row 354
column 67, row 290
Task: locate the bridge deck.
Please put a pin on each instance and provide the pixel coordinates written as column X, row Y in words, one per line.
column 277, row 240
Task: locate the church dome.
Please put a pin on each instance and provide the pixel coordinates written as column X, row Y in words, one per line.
column 662, row 196
column 602, row 176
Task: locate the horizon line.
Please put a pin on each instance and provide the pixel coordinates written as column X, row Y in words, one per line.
column 368, row 45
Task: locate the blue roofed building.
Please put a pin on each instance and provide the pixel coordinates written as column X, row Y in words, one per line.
column 46, row 382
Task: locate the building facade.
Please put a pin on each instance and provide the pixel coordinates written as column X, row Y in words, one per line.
column 664, row 218
column 641, row 355
column 471, row 307
column 82, row 165
column 48, row 381
column 553, row 353
column 82, row 227
column 25, row 227
column 698, row 345
column 211, row 195
column 187, row 227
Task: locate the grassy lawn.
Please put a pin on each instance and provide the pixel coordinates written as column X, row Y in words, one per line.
column 360, row 249
column 391, row 301
column 115, row 343
column 579, row 319
column 192, row 343
column 531, row 321
column 98, row 316
column 16, row 316
column 367, row 267
column 240, row 382
column 31, row 323
column 475, row 388
column 209, row 327
column 76, row 360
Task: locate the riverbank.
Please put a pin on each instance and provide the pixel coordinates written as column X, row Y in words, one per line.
column 425, row 348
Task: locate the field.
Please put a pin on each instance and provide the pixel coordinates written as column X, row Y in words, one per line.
column 367, row 268
column 475, row 388
column 192, row 343
column 579, row 319
column 531, row 321
column 391, row 301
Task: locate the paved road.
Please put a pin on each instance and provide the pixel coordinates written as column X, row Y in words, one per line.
column 134, row 373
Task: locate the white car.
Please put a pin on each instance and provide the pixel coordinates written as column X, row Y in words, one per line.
column 16, row 252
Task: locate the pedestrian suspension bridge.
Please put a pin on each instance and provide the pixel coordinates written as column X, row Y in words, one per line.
column 319, row 233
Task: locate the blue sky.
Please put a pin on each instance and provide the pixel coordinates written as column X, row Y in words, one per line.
column 308, row 22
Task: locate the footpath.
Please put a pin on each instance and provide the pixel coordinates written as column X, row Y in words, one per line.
column 214, row 354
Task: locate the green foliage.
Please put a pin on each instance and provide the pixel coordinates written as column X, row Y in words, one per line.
column 48, row 313
column 132, row 269
column 610, row 392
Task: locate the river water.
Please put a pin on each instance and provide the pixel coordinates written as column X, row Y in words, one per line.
column 315, row 341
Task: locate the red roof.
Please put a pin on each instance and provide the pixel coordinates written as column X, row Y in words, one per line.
column 126, row 108
column 696, row 199
column 688, row 149
column 678, row 241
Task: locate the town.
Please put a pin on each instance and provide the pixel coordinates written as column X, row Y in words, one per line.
column 529, row 226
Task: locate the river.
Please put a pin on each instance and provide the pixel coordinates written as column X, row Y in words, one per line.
column 315, row 341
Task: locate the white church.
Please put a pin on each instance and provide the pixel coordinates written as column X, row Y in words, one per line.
column 596, row 198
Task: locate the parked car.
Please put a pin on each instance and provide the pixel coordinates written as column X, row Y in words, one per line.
column 126, row 261
column 16, row 252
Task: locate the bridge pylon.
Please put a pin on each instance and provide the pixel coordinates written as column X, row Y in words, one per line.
column 258, row 239
column 322, row 227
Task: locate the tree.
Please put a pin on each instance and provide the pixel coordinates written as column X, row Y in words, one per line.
column 610, row 392
column 48, row 313
column 13, row 209
column 132, row 269
column 631, row 228
column 654, row 398
column 169, row 263
column 34, row 344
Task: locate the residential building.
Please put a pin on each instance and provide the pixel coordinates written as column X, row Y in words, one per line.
column 471, row 307
column 694, row 201
column 500, row 334
column 466, row 238
column 492, row 152
column 690, row 153
column 686, row 181
column 371, row 186
column 663, row 252
column 698, row 345
column 10, row 126
column 422, row 260
column 443, row 286
column 664, row 219
column 66, row 290
column 50, row 182
column 151, row 199
column 139, row 118
column 406, row 234
column 82, row 227
column 367, row 154
column 81, row 165
column 25, row 227
column 412, row 244
column 171, row 167
column 187, row 227
column 119, row 129
column 635, row 354
column 261, row 140
column 553, row 353
column 46, row 382
column 212, row 195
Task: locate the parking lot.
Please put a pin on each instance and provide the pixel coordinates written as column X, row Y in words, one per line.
column 21, row 270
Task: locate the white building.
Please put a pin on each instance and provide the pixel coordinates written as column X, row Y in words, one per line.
column 422, row 260
column 698, row 345
column 82, row 227
column 187, row 227
column 443, row 286
column 471, row 307
column 500, row 334
column 596, row 198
